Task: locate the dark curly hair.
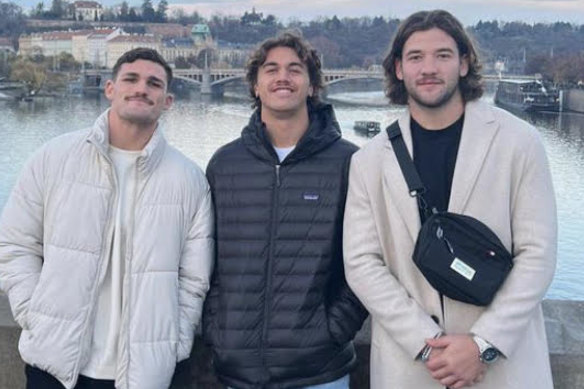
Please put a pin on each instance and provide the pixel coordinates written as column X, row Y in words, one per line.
column 145, row 54
column 471, row 86
column 307, row 54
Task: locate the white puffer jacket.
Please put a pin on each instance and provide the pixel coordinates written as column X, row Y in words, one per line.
column 55, row 232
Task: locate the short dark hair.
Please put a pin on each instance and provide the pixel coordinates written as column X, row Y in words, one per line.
column 307, row 54
column 471, row 86
column 145, row 54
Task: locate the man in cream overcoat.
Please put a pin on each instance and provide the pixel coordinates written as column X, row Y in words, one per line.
column 476, row 160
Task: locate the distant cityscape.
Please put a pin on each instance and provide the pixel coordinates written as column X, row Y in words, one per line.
column 40, row 45
column 101, row 47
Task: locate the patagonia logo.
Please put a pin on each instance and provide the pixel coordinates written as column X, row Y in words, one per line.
column 310, row 196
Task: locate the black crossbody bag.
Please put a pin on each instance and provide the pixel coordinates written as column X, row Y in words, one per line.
column 459, row 255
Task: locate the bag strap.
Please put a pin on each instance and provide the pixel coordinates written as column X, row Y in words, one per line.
column 415, row 184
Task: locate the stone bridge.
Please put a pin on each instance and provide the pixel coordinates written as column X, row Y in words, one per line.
column 212, row 80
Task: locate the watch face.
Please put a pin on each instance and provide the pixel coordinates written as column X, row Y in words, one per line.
column 490, row 355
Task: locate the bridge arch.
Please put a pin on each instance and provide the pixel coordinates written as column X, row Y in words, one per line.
column 226, row 80
column 188, row 79
column 345, row 79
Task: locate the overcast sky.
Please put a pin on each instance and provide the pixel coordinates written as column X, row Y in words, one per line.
column 468, row 11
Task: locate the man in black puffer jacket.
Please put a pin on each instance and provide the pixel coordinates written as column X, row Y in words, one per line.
column 280, row 313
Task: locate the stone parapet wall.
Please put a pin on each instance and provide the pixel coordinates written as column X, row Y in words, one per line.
column 573, row 100
column 564, row 326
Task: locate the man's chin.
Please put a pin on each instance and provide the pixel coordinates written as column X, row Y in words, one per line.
column 432, row 101
column 140, row 119
column 285, row 108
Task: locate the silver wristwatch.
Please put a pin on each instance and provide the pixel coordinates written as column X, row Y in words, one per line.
column 487, row 353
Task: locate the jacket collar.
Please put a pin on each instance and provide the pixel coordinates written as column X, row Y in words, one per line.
column 323, row 130
column 149, row 157
column 478, row 131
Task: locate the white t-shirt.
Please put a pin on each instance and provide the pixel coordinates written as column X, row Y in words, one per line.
column 283, row 151
column 104, row 347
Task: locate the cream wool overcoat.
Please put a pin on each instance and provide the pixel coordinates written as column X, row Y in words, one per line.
column 502, row 178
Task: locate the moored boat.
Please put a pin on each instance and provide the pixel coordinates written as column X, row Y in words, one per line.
column 527, row 95
column 12, row 90
column 367, row 127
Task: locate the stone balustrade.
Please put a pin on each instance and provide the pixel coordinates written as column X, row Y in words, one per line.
column 564, row 325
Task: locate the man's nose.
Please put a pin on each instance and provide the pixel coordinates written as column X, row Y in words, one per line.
column 283, row 75
column 141, row 87
column 429, row 65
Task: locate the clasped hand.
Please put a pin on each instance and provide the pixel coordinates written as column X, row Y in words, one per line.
column 454, row 361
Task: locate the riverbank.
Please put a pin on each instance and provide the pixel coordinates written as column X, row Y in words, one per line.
column 564, row 322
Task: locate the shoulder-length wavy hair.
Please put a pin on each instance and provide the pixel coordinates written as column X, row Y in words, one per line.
column 307, row 54
column 471, row 86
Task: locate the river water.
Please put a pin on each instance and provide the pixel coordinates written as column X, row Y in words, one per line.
column 198, row 126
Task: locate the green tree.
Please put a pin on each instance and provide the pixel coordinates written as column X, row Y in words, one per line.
column 161, row 11
column 108, row 15
column 196, row 18
column 148, row 13
column 33, row 74
column 567, row 70
column 6, row 59
column 333, row 24
column 251, row 18
column 207, row 54
column 178, row 15
column 124, row 10
column 269, row 20
column 57, row 9
column 132, row 16
column 67, row 63
column 11, row 20
column 540, row 63
column 39, row 10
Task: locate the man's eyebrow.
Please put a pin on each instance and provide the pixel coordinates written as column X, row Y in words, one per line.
column 154, row 78
column 150, row 78
column 445, row 49
column 267, row 64
column 413, row 51
column 300, row 64
column 440, row 50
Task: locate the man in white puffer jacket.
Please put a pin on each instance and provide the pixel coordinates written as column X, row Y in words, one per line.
column 106, row 244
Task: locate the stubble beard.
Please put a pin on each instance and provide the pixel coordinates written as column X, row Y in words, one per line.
column 438, row 102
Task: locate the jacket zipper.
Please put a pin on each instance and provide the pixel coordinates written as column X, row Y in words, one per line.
column 129, row 237
column 269, row 268
column 108, row 242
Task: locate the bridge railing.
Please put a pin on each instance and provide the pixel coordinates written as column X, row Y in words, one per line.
column 327, row 73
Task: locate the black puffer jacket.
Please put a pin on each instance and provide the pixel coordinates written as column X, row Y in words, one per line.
column 280, row 313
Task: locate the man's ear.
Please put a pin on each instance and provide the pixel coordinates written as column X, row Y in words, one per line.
column 108, row 90
column 169, row 99
column 463, row 66
column 398, row 70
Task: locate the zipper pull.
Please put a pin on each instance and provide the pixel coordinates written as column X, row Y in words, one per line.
column 440, row 235
column 278, row 176
column 449, row 246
